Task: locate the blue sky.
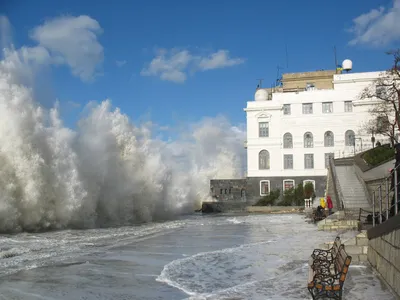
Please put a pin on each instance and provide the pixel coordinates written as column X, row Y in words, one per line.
column 178, row 61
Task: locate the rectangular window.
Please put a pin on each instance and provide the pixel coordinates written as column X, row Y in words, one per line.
column 263, row 129
column 307, row 108
column 286, row 109
column 264, row 188
column 308, row 161
column 348, row 106
column 288, row 161
column 311, row 181
column 328, row 156
column 288, row 184
column 327, row 107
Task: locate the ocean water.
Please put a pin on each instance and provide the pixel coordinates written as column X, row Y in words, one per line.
column 195, row 257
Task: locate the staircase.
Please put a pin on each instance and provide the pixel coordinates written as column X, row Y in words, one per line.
column 354, row 194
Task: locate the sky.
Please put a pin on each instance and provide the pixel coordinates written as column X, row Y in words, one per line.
column 175, row 62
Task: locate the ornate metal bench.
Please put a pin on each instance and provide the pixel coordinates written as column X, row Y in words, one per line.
column 326, row 279
column 330, row 254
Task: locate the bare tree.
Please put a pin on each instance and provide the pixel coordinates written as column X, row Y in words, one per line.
column 385, row 114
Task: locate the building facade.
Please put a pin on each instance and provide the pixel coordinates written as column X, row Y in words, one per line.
column 293, row 129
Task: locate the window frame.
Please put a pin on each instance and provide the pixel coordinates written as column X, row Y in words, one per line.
column 284, row 165
column 268, row 162
column 304, row 140
column 309, row 180
column 327, row 161
column 313, row 162
column 325, row 139
column 347, row 141
column 304, row 111
column 330, row 103
column 283, row 184
column 291, row 140
column 287, row 112
column 347, row 105
column 263, row 129
column 269, row 187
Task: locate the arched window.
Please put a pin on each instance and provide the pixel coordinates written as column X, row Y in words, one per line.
column 263, row 160
column 287, row 140
column 308, row 140
column 329, row 140
column 349, row 138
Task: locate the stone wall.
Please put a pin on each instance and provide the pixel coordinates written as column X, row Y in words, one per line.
column 223, row 207
column 248, row 189
column 228, row 189
column 384, row 256
column 253, row 185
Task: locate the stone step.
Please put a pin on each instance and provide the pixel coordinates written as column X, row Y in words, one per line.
column 357, row 247
column 330, row 225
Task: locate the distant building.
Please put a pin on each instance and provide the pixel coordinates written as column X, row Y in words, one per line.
column 293, row 129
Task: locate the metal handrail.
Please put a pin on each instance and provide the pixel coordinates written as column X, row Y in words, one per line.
column 336, row 185
column 391, row 207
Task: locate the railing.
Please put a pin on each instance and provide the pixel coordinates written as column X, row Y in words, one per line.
column 336, row 185
column 382, row 207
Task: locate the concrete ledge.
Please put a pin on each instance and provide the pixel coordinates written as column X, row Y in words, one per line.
column 275, row 209
column 332, row 224
column 384, row 228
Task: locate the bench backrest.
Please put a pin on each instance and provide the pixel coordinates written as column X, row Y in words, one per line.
column 336, row 247
column 342, row 263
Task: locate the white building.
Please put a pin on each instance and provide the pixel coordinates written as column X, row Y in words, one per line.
column 292, row 130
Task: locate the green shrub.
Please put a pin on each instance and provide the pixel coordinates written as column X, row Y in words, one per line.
column 378, row 155
column 288, row 198
column 299, row 195
column 293, row 196
column 269, row 199
column 308, row 190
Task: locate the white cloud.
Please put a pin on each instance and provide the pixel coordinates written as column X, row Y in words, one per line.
column 169, row 65
column 378, row 27
column 120, row 63
column 173, row 65
column 219, row 59
column 72, row 41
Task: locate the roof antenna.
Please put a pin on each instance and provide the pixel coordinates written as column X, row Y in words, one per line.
column 336, row 64
column 260, row 80
column 287, row 60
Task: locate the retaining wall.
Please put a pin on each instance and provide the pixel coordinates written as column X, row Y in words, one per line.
column 384, row 251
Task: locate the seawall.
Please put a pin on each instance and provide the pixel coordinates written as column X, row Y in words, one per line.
column 232, row 206
column 274, row 209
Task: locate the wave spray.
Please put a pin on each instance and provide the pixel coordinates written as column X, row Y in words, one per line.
column 108, row 171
